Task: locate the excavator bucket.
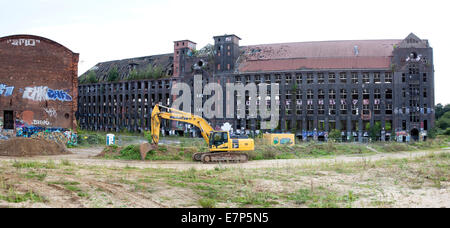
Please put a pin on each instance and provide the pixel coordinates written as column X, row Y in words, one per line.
column 145, row 148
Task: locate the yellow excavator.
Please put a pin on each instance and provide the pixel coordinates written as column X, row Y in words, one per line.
column 222, row 146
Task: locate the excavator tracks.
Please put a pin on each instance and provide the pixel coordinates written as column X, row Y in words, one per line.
column 221, row 157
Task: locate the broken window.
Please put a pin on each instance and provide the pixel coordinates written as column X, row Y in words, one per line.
column 403, row 77
column 299, row 95
column 288, row 79
column 310, row 78
column 388, row 77
column 278, row 78
column 258, row 79
column 377, row 109
column 321, row 109
column 238, row 79
column 366, row 110
column 424, row 77
column 343, row 77
column 299, row 79
column 310, row 108
column 321, row 94
column 310, row 94
column 388, row 94
column 320, row 78
column 366, row 78
column 355, row 109
column 343, row 94
column 388, row 109
column 355, row 79
column 425, row 92
column 413, row 69
column 332, row 94
column 343, row 109
column 366, row 94
column 377, row 78
column 377, row 94
column 355, row 94
column 332, row 109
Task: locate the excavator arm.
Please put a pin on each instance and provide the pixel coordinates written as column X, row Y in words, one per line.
column 176, row 115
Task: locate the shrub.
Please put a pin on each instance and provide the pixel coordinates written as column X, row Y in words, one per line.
column 207, row 203
column 113, row 75
column 335, row 135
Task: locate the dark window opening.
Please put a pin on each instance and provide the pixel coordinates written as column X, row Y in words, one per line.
column 8, row 117
column 389, row 94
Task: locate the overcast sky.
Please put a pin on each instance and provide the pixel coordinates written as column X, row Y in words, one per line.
column 104, row 30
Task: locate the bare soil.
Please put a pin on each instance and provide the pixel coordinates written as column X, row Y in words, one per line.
column 87, row 181
column 28, row 147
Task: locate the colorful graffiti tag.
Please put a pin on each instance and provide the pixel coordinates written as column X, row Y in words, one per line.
column 43, row 93
column 59, row 135
column 6, row 90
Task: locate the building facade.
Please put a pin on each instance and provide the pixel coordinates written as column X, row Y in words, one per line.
column 38, row 86
column 351, row 86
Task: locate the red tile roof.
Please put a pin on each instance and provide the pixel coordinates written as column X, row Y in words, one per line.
column 358, row 54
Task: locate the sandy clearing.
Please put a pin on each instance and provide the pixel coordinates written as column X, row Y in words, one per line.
column 85, row 157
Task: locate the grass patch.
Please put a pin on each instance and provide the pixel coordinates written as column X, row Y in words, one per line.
column 35, row 165
column 322, row 198
column 13, row 197
column 207, row 203
column 40, row 176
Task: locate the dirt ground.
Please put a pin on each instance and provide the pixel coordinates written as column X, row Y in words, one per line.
column 408, row 179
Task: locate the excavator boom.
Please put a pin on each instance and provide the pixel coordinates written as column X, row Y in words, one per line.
column 177, row 115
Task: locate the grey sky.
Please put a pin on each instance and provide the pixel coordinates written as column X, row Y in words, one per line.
column 105, row 30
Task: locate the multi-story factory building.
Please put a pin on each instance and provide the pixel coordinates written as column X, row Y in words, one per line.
column 351, row 86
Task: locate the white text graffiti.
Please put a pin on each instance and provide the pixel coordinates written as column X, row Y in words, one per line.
column 51, row 112
column 24, row 42
column 43, row 93
column 41, row 122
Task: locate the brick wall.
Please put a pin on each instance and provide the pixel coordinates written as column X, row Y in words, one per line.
column 39, row 81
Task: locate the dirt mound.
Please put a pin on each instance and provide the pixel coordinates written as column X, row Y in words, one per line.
column 27, row 147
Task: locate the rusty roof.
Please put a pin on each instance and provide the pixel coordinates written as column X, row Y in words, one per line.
column 352, row 54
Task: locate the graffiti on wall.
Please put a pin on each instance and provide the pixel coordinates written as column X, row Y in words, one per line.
column 59, row 135
column 41, row 122
column 51, row 112
column 43, row 93
column 23, row 42
column 6, row 90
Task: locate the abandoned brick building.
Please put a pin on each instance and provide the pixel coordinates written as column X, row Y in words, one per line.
column 345, row 85
column 38, row 86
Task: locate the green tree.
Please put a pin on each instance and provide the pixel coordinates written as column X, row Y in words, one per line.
column 91, row 77
column 444, row 121
column 113, row 75
column 441, row 110
column 133, row 75
column 374, row 131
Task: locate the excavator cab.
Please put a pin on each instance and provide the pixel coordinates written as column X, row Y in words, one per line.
column 219, row 140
